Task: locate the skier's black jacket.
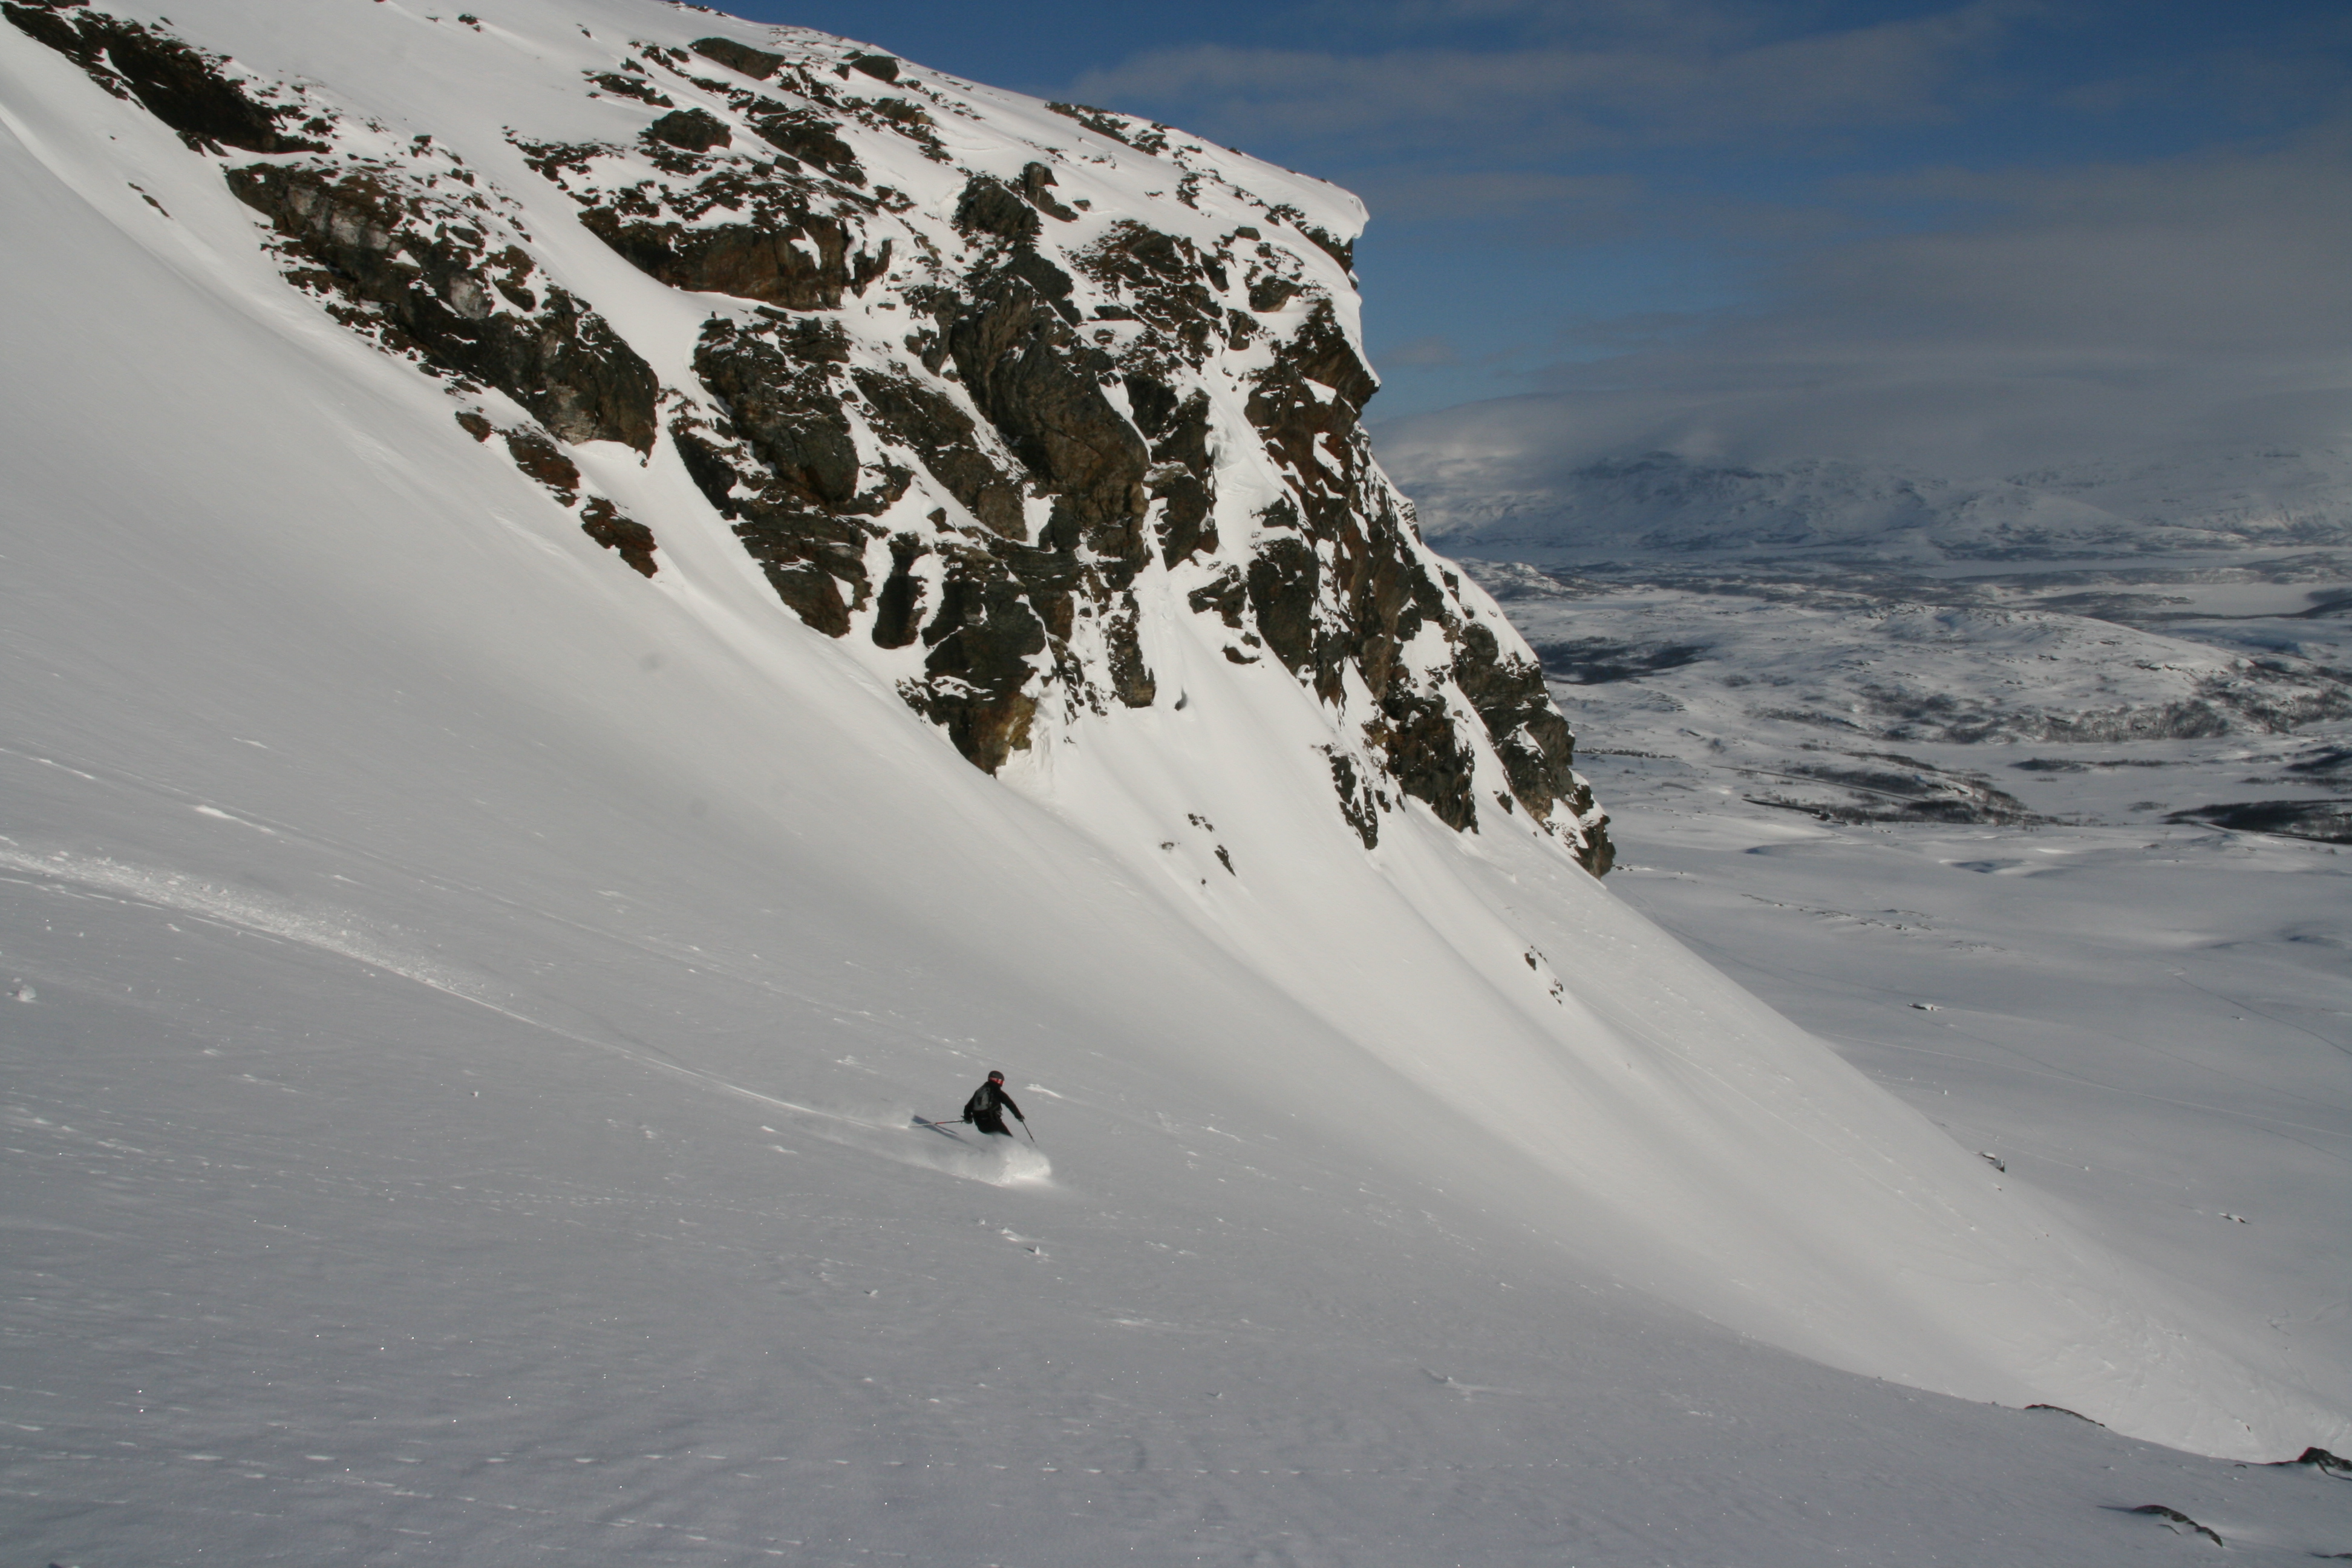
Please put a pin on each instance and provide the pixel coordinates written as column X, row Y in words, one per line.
column 987, row 1106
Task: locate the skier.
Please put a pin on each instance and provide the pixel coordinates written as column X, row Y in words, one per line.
column 988, row 1104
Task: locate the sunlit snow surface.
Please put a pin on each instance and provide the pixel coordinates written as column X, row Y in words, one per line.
column 471, row 1006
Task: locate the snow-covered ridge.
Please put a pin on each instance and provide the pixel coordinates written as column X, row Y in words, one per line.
column 992, row 390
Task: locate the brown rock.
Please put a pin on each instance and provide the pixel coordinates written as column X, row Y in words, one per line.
column 435, row 290
column 756, row 64
column 615, row 530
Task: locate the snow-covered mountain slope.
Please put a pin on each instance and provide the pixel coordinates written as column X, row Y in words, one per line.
column 1012, row 399
column 379, row 844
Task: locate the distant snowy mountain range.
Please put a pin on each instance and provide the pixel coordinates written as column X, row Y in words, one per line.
column 2197, row 594
column 1487, row 487
column 606, row 604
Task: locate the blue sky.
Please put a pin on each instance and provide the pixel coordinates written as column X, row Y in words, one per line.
column 1669, row 197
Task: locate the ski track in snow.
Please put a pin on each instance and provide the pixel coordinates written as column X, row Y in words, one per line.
column 345, row 934
column 329, row 931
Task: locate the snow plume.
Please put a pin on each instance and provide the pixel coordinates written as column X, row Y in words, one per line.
column 817, row 634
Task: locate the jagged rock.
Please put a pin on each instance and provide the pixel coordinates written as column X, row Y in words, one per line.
column 808, row 556
column 536, row 456
column 797, row 255
column 1054, row 579
column 1041, row 390
column 947, row 442
column 695, row 130
column 1426, row 753
column 1164, row 280
column 1227, row 595
column 898, row 609
column 881, row 68
column 808, row 136
column 1284, row 587
column 1359, row 803
column 756, row 64
column 1130, row 680
column 1036, row 184
column 539, row 458
column 1307, row 429
column 41, row 20
column 2179, row 1522
column 907, row 119
column 1339, row 250
column 625, row 84
column 1273, row 291
column 1151, row 137
column 783, row 402
column 616, row 531
column 1181, row 476
column 440, row 290
column 1052, row 284
column 987, row 207
column 1509, row 697
column 981, row 640
column 786, row 468
column 2061, row 1410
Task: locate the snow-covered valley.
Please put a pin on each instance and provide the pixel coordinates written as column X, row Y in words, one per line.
column 2045, row 838
column 471, row 997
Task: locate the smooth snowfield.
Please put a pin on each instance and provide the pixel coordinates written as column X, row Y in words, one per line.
column 2149, row 1026
column 470, row 1005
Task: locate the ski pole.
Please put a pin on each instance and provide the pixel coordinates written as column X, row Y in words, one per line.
column 1024, row 1127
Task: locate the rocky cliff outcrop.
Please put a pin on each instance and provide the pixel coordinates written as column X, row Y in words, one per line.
column 989, row 389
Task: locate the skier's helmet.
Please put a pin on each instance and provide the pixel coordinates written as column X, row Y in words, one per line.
column 997, row 1077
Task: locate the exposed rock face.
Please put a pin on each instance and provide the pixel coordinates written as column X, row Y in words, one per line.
column 1043, row 389
column 186, row 89
column 756, row 64
column 781, row 462
column 428, row 267
column 692, row 129
column 606, row 523
column 993, row 404
column 538, row 457
column 753, row 229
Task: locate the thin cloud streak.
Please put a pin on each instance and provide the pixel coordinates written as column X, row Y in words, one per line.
column 1653, row 93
